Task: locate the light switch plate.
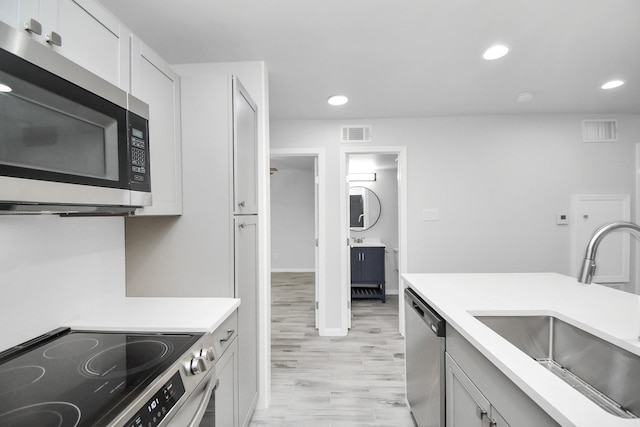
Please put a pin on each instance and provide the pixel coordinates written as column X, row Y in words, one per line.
column 430, row 214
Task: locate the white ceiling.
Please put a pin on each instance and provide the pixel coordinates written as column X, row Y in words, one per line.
column 409, row 58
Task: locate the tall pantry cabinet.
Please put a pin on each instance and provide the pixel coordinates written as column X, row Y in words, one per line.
column 245, row 225
column 211, row 250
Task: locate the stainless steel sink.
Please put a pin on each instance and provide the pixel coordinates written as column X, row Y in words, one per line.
column 603, row 372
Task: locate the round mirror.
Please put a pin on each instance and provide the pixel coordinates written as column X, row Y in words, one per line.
column 364, row 208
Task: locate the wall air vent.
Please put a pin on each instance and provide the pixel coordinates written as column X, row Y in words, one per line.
column 599, row 130
column 355, row 133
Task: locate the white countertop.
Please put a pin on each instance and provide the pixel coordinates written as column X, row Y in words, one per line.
column 155, row 314
column 607, row 313
column 368, row 245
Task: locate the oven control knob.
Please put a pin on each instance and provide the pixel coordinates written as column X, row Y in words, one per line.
column 208, row 354
column 198, row 365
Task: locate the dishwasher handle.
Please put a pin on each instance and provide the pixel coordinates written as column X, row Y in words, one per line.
column 429, row 316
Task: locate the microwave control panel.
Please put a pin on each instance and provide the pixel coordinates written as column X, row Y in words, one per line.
column 138, row 153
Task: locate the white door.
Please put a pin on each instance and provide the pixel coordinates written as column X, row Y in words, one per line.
column 612, row 257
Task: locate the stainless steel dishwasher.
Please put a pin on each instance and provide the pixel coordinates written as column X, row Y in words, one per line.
column 424, row 360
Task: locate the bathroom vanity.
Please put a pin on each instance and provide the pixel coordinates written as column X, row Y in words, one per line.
column 367, row 271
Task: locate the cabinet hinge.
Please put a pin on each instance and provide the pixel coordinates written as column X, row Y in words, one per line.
column 349, row 304
column 317, row 305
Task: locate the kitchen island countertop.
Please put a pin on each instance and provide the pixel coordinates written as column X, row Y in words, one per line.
column 607, row 313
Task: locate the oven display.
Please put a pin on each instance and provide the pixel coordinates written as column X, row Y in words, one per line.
column 156, row 408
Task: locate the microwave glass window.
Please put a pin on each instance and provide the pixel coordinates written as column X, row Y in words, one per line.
column 44, row 131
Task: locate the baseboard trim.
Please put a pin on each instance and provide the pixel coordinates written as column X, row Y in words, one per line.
column 293, row 270
column 332, row 332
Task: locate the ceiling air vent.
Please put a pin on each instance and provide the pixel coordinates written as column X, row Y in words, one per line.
column 355, row 133
column 599, row 130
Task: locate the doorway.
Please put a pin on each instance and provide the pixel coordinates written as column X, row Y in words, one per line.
column 297, row 225
column 389, row 164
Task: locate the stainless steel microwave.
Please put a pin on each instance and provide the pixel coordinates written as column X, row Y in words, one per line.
column 70, row 142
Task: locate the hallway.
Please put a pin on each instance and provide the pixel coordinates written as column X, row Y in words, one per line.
column 350, row 381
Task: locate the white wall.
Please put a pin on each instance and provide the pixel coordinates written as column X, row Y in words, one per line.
column 53, row 269
column 292, row 220
column 498, row 182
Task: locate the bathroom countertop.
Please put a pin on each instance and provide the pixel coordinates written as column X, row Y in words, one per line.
column 368, row 245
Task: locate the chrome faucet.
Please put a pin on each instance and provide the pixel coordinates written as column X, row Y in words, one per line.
column 588, row 269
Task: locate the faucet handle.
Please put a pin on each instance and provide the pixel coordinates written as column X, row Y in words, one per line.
column 587, row 271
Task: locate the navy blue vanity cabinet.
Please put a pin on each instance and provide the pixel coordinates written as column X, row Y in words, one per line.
column 367, row 272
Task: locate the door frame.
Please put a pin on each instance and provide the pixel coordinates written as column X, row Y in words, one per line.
column 345, row 269
column 321, row 224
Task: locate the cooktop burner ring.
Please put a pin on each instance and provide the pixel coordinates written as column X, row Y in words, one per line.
column 107, row 363
column 60, row 414
column 20, row 377
column 71, row 348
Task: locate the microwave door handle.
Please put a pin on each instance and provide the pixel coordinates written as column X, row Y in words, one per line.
column 202, row 406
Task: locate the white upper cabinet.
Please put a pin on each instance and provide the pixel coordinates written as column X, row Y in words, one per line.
column 154, row 82
column 90, row 36
column 81, row 30
column 245, row 160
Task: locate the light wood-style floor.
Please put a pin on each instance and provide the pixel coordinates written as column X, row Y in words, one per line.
column 352, row 381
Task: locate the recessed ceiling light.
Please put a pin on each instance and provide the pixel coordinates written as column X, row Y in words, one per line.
column 495, row 52
column 337, row 100
column 4, row 88
column 612, row 84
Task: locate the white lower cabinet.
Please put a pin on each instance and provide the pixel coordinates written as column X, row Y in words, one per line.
column 465, row 404
column 479, row 394
column 223, row 410
column 246, row 283
column 226, row 402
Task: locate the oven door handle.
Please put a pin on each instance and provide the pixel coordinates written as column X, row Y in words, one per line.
column 202, row 406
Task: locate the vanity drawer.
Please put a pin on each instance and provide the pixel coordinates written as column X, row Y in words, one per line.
column 225, row 334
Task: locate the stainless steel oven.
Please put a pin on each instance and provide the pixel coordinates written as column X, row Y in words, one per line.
column 95, row 378
column 70, row 140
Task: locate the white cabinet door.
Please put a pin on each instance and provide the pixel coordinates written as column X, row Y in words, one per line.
column 154, row 82
column 246, row 282
column 245, row 145
column 90, row 36
column 226, row 396
column 465, row 405
column 223, row 409
column 17, row 12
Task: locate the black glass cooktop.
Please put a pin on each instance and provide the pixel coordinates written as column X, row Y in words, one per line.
column 78, row 378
